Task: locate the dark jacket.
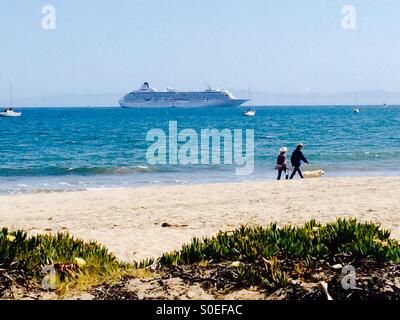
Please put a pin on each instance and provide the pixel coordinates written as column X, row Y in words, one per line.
column 297, row 157
column 281, row 162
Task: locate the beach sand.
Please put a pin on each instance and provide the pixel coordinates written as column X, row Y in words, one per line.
column 129, row 221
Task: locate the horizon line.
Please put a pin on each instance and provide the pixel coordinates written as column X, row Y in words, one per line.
column 243, row 106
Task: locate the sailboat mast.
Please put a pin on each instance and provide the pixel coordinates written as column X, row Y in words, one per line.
column 356, row 99
column 249, row 97
column 11, row 97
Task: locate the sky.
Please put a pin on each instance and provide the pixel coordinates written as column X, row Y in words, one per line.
column 281, row 46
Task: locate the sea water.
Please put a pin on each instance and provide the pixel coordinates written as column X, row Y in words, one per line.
column 61, row 149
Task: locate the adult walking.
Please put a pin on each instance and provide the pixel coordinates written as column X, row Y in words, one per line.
column 296, row 159
column 281, row 163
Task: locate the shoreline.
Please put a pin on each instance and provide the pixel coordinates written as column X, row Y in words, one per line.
column 129, row 221
column 60, row 184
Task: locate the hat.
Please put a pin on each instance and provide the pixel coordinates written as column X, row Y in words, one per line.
column 300, row 145
column 283, row 149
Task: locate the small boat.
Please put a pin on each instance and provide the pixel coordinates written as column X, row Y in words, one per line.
column 10, row 113
column 249, row 113
column 357, row 109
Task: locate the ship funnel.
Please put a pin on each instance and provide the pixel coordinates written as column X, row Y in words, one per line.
column 145, row 86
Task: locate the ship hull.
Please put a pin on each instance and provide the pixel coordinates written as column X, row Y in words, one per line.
column 182, row 104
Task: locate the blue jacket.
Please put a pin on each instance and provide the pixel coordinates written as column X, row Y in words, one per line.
column 297, row 157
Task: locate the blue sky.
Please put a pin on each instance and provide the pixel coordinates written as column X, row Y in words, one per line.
column 272, row 46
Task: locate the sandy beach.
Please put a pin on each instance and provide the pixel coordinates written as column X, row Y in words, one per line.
column 130, row 221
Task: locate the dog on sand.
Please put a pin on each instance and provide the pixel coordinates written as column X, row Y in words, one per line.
column 313, row 174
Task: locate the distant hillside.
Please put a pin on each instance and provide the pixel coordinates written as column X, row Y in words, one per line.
column 376, row 97
column 79, row 100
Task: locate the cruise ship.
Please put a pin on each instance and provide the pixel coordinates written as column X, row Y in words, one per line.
column 147, row 97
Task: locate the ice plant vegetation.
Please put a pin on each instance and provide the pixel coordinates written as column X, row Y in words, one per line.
column 10, row 238
column 257, row 253
column 269, row 257
column 74, row 260
column 80, row 262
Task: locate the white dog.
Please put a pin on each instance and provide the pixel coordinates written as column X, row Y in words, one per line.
column 313, row 174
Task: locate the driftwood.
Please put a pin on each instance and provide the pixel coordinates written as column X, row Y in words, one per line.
column 324, row 287
column 167, row 225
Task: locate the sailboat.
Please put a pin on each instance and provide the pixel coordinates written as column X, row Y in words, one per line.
column 250, row 112
column 357, row 109
column 9, row 112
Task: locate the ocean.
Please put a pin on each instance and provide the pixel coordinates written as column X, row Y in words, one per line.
column 62, row 149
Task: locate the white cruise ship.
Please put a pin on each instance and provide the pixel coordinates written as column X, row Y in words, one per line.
column 147, row 97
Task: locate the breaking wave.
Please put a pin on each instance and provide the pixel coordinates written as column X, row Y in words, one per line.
column 83, row 171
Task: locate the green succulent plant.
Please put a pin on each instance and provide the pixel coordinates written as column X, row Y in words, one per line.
column 253, row 246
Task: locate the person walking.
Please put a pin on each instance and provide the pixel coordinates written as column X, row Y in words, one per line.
column 296, row 159
column 281, row 163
